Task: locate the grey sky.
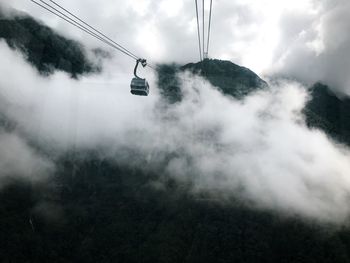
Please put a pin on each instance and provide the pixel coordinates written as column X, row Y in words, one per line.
column 306, row 39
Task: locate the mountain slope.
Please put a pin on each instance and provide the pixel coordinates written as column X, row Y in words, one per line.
column 103, row 212
column 44, row 48
column 328, row 112
column 230, row 78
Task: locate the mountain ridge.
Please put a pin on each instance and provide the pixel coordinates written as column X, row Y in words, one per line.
column 231, row 79
column 43, row 48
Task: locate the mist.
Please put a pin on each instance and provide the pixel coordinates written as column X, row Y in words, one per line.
column 258, row 149
column 20, row 161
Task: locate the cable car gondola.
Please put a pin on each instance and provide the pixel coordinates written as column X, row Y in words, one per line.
column 138, row 85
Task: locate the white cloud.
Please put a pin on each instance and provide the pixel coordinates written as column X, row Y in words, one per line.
column 318, row 50
column 259, row 148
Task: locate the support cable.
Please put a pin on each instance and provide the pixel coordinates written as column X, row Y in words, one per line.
column 209, row 26
column 203, row 24
column 72, row 22
column 87, row 28
column 94, row 29
column 199, row 34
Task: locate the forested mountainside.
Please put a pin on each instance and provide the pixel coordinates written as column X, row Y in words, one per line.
column 230, row 78
column 329, row 113
column 42, row 47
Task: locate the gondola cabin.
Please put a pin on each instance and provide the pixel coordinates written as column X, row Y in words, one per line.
column 139, row 87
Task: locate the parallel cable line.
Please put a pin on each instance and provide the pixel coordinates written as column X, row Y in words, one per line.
column 198, row 30
column 203, row 22
column 94, row 29
column 95, row 33
column 72, row 22
column 209, row 26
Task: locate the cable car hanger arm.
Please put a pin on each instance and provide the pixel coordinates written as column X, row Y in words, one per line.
column 143, row 63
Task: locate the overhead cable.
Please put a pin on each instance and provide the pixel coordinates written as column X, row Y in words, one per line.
column 74, row 20
column 209, row 26
column 198, row 30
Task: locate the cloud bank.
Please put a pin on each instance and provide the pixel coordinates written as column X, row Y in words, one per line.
column 258, row 149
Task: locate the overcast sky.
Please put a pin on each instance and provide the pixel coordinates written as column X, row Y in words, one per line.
column 261, row 146
column 304, row 39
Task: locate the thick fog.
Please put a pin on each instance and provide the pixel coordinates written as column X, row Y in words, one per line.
column 19, row 161
column 258, row 149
